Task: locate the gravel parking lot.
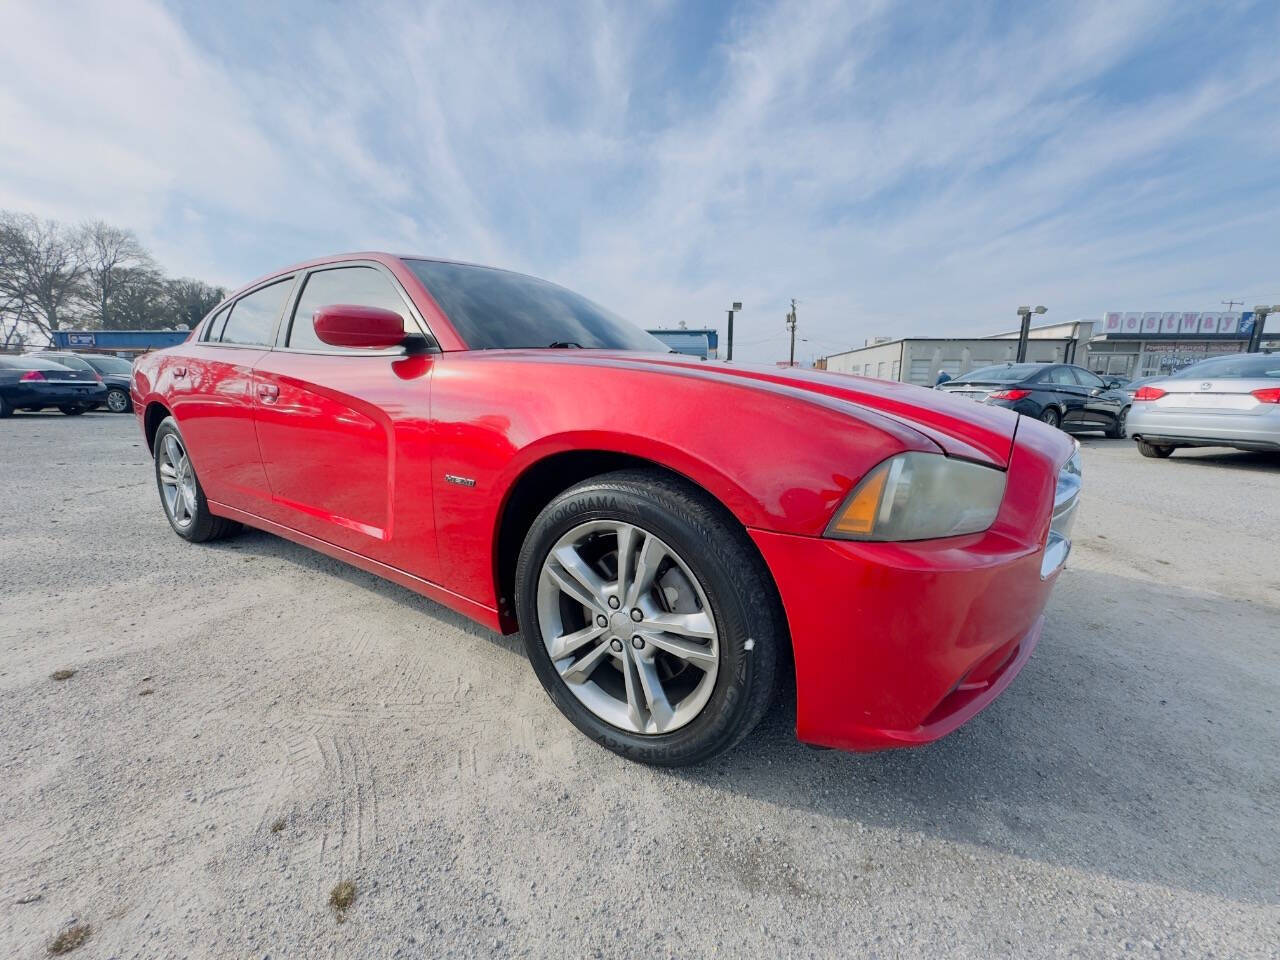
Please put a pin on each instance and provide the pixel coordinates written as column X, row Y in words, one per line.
column 250, row 723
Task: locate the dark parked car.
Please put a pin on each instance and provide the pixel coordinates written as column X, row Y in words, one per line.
column 33, row 383
column 1059, row 394
column 113, row 371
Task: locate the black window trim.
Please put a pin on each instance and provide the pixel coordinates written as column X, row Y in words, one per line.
column 231, row 305
column 291, row 308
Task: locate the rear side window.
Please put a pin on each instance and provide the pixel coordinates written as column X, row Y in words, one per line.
column 361, row 286
column 213, row 329
column 1060, row 376
column 253, row 317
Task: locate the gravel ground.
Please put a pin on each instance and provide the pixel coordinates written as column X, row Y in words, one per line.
column 250, row 724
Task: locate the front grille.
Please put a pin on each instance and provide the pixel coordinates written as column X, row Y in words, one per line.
column 1066, row 498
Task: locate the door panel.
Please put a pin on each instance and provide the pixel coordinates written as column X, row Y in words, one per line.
column 210, row 394
column 345, row 445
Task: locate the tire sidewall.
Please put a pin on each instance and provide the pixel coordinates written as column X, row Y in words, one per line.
column 201, row 525
column 701, row 549
column 1054, row 417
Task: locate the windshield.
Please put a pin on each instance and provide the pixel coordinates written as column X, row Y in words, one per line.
column 1244, row 367
column 109, row 364
column 496, row 309
column 1004, row 373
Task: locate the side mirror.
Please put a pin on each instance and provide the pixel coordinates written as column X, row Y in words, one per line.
column 351, row 325
column 1114, row 384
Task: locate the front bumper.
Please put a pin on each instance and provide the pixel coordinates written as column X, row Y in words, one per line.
column 898, row 644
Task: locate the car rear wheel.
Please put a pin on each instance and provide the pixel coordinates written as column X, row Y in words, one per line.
column 648, row 617
column 5, row 409
column 1158, row 451
column 1117, row 430
column 117, row 400
column 181, row 495
column 1050, row 416
column 71, row 410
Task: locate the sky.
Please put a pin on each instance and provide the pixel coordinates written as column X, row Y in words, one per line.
column 898, row 168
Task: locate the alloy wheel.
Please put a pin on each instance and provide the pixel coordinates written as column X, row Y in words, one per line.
column 117, row 401
column 177, row 482
column 628, row 627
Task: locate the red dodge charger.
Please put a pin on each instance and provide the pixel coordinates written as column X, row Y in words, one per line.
column 664, row 531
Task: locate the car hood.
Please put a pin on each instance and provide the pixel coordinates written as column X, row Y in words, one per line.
column 957, row 426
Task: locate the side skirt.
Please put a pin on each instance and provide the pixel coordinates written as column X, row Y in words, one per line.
column 482, row 614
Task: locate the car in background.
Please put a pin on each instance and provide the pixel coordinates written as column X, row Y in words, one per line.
column 1059, row 394
column 116, row 374
column 113, row 371
column 35, row 383
column 1231, row 401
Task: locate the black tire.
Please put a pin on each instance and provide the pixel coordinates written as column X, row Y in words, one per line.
column 737, row 585
column 204, row 525
column 118, row 400
column 5, row 409
column 1156, row 451
column 1051, row 416
column 1117, row 430
column 72, row 411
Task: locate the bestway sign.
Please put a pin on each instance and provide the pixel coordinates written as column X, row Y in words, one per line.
column 1175, row 325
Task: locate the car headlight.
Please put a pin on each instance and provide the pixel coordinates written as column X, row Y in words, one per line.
column 920, row 496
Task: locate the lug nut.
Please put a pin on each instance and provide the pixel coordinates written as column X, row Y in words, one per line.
column 613, row 603
column 638, row 642
column 602, row 621
column 637, row 614
column 616, row 645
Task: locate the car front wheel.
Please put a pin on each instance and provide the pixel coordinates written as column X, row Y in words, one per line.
column 181, row 495
column 1117, row 430
column 649, row 617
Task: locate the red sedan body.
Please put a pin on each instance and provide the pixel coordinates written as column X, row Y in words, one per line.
column 426, row 468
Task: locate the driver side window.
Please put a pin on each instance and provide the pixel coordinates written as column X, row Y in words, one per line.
column 362, row 286
column 1088, row 380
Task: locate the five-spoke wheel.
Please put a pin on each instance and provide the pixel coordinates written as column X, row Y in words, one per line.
column 628, row 626
column 649, row 616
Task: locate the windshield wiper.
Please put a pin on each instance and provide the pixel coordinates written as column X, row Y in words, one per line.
column 564, row 344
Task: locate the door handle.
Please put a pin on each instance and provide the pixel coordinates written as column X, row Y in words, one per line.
column 268, row 392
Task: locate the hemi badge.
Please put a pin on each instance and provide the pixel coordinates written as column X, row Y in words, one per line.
column 460, row 481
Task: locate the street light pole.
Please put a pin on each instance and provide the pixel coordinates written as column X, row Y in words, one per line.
column 791, row 325
column 1259, row 321
column 1024, row 332
column 736, row 306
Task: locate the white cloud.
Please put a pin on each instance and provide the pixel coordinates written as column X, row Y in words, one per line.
column 897, row 168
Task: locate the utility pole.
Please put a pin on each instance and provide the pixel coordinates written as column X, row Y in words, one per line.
column 1231, row 304
column 1024, row 332
column 736, row 306
column 1260, row 313
column 791, row 325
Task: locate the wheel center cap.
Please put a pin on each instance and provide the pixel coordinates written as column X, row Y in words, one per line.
column 619, row 621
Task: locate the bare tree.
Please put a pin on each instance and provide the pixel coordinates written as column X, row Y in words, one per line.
column 189, row 300
column 41, row 271
column 113, row 257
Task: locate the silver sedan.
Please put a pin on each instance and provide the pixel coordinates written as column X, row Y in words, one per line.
column 1222, row 402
